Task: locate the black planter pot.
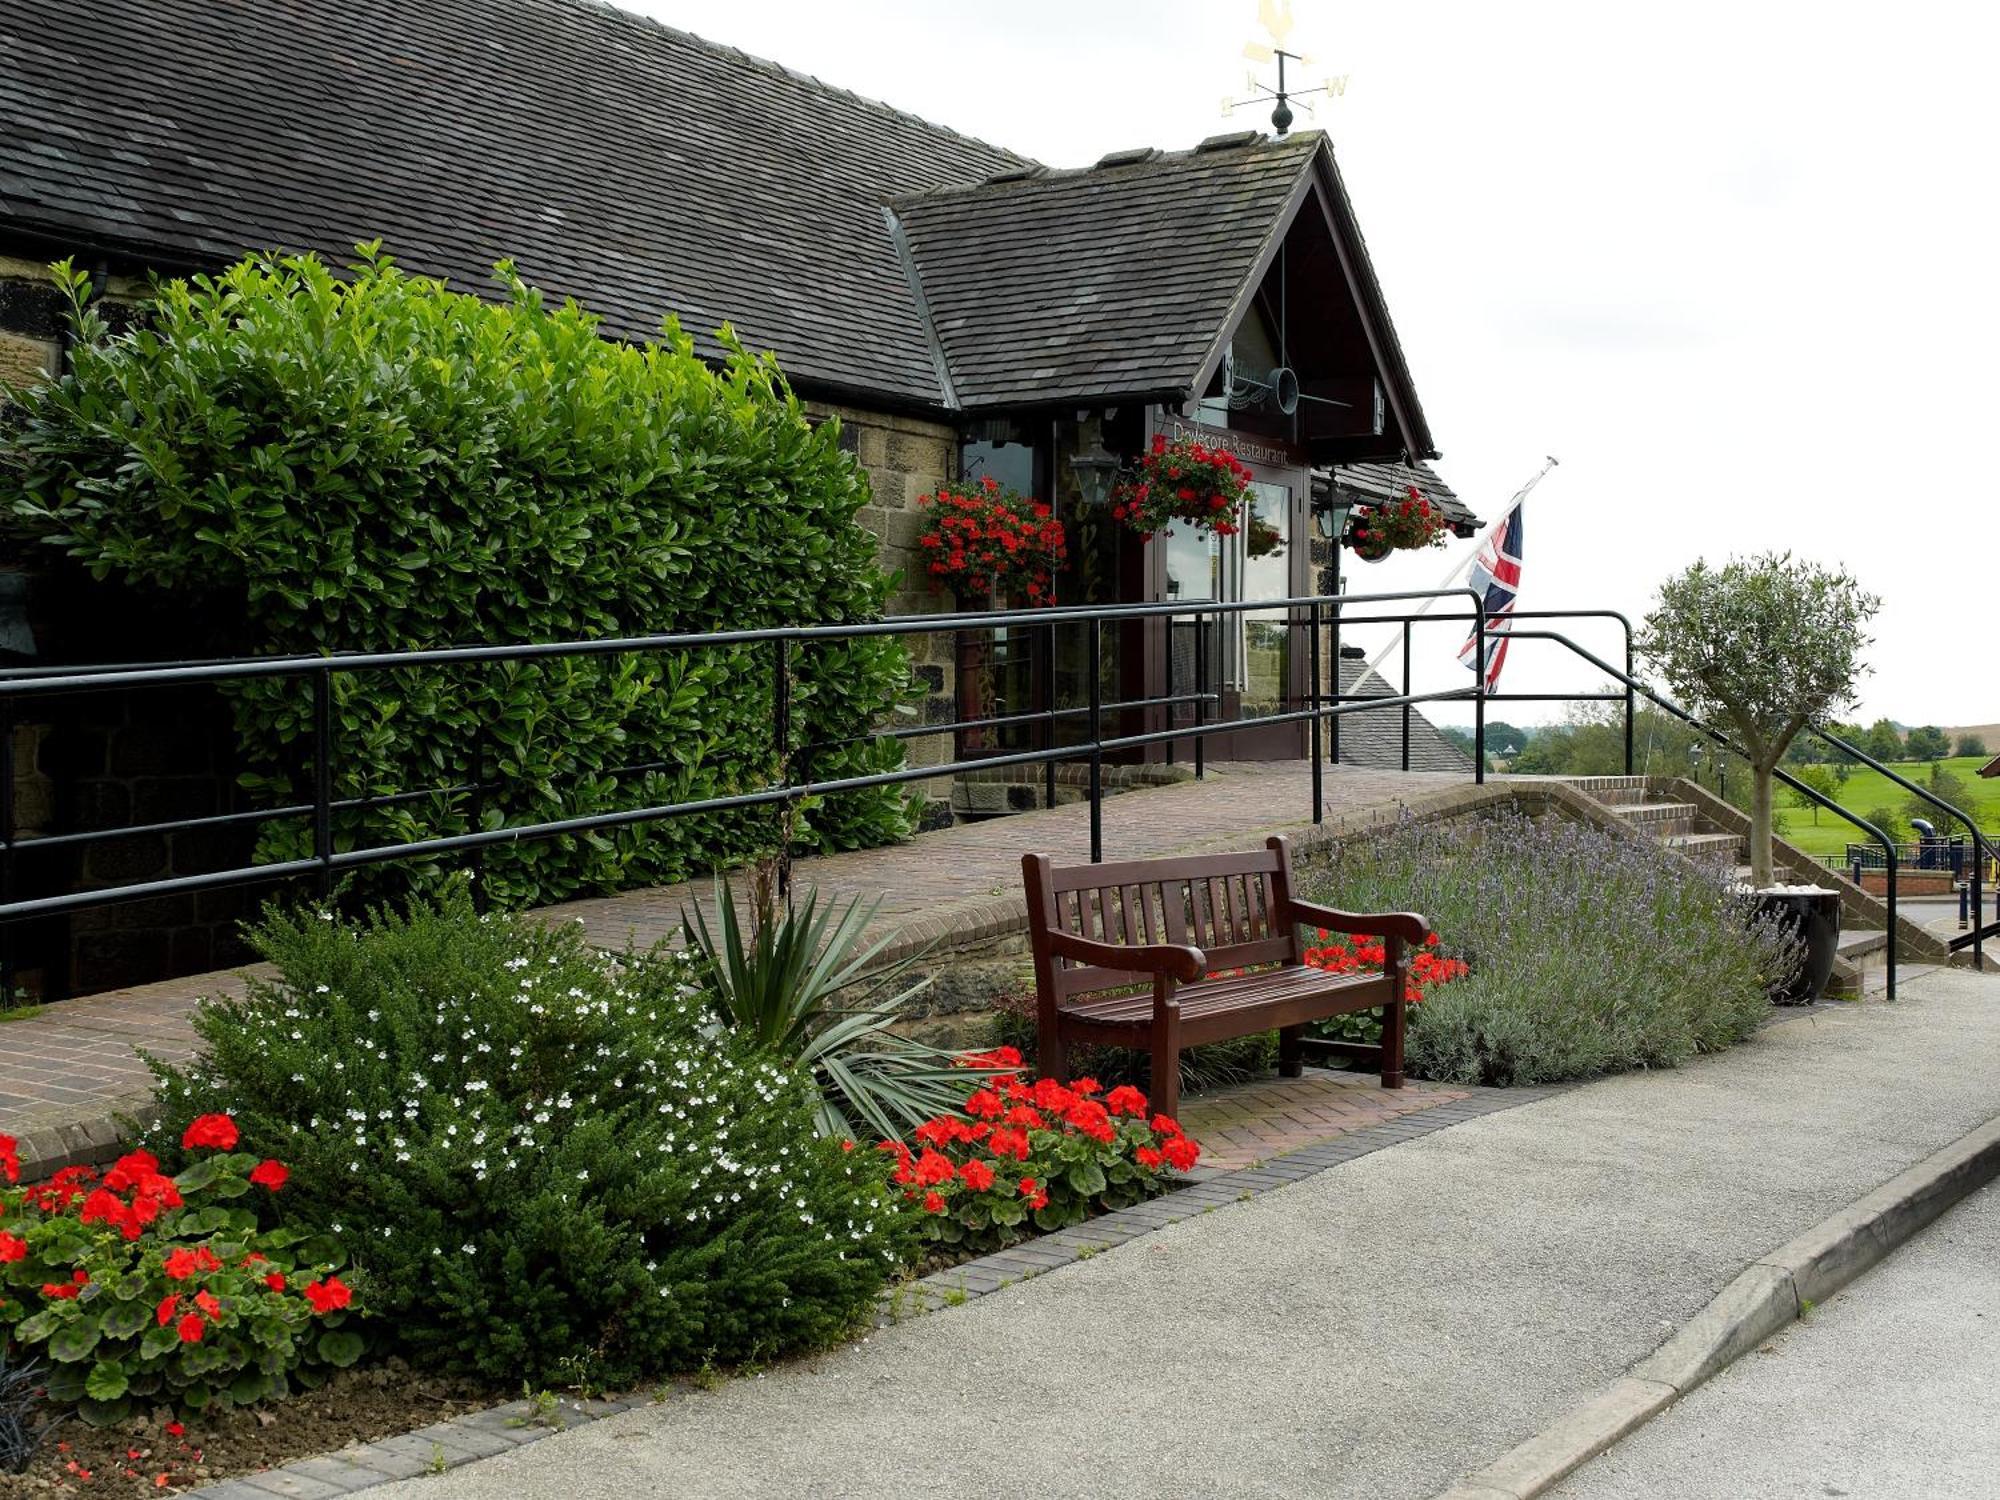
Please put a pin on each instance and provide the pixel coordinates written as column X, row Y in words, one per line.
column 1814, row 915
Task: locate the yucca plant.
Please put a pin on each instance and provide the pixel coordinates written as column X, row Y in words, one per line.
column 778, row 983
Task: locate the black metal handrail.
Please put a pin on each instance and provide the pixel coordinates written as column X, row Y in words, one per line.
column 1499, row 630
column 1982, row 850
column 1817, row 798
column 325, row 862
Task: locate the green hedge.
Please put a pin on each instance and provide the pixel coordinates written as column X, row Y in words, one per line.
column 368, row 461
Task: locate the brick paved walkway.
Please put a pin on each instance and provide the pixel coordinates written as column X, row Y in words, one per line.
column 1250, row 1122
column 65, row 1072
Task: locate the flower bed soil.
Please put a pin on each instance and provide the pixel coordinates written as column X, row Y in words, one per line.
column 356, row 1406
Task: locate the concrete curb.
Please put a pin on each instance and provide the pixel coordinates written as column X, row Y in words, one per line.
column 1771, row 1293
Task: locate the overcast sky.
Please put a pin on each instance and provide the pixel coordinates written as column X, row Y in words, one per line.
column 1733, row 264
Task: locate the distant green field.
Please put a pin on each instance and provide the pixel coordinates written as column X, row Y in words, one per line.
column 1867, row 790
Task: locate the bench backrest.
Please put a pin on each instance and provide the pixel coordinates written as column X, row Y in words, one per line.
column 1225, row 904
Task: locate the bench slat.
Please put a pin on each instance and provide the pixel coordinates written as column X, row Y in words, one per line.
column 1144, row 871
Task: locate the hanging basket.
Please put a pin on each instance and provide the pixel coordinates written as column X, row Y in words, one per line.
column 991, row 547
column 1407, row 525
column 1182, row 484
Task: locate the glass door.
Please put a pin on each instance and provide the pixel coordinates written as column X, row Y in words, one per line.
column 1259, row 558
column 1250, row 666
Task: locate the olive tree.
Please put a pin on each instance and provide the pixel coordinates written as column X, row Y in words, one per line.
column 1768, row 645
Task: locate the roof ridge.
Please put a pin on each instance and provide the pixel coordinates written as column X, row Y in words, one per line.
column 1303, row 141
column 771, row 65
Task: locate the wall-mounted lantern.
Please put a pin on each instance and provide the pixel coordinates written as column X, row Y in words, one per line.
column 1094, row 467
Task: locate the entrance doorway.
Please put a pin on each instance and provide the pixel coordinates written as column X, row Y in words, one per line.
column 1254, row 656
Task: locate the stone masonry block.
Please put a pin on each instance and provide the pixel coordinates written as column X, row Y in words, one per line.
column 25, row 361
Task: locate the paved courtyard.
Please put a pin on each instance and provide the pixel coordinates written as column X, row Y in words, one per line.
column 66, row 1072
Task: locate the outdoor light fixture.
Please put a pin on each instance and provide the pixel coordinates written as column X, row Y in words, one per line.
column 1334, row 510
column 1095, row 467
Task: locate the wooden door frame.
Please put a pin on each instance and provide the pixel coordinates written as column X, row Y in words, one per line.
column 1271, row 461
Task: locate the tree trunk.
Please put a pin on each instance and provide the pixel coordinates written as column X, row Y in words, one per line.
column 1760, row 827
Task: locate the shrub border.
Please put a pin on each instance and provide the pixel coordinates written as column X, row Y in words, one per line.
column 501, row 1429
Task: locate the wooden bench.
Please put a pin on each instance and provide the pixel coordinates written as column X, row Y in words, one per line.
column 1121, row 951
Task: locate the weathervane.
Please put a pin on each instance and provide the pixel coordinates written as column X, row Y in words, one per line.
column 1276, row 18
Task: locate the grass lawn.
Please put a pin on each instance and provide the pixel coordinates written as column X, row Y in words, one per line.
column 1867, row 790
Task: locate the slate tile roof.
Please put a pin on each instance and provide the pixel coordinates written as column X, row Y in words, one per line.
column 644, row 172
column 635, row 167
column 1106, row 282
column 1374, row 737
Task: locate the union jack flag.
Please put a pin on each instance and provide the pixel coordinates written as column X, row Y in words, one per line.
column 1496, row 574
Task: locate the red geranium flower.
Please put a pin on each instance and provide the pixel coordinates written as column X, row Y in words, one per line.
column 275, row 1281
column 217, row 1132
column 1125, row 1100
column 270, row 1174
column 12, row 1247
column 933, row 1203
column 329, row 1295
column 167, row 1308
column 1181, row 1153
column 976, row 1175
column 191, row 1329
column 127, row 1171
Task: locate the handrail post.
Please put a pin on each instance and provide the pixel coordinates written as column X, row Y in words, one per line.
column 9, row 834
column 1339, row 693
column 781, row 734
column 1631, row 701
column 1097, row 739
column 1406, row 693
column 1312, row 677
column 1890, row 968
column 322, row 711
column 1479, row 695
column 1200, row 695
column 1048, row 706
column 476, row 816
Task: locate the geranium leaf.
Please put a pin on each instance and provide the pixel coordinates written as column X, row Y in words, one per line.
column 107, row 1381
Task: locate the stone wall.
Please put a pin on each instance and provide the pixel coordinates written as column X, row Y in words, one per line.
column 906, row 457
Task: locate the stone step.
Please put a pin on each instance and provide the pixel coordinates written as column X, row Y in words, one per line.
column 1612, row 791
column 1659, row 817
column 1703, row 844
column 1861, row 944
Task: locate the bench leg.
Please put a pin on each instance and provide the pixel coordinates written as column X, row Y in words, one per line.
column 1051, row 1056
column 1291, row 1054
column 1167, row 1058
column 1392, row 1017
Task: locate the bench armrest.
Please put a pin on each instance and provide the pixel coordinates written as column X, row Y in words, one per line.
column 1406, row 925
column 1177, row 960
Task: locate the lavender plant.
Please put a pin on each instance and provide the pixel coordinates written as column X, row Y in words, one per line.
column 1591, row 952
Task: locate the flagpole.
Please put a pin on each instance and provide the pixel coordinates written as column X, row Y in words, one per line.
column 1458, row 572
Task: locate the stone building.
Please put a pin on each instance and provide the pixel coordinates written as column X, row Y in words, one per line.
column 960, row 309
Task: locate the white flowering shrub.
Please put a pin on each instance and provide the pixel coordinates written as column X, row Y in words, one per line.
column 549, row 1165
